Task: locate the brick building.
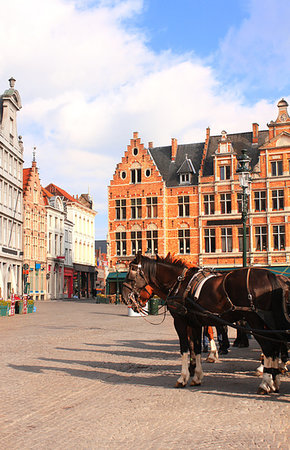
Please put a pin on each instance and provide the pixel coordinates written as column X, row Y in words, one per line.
column 34, row 229
column 186, row 199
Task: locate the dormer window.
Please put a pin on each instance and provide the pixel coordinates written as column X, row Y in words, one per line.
column 225, row 172
column 186, row 171
column 185, row 178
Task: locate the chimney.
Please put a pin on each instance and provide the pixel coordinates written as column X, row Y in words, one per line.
column 207, row 133
column 255, row 133
column 150, row 144
column 173, row 149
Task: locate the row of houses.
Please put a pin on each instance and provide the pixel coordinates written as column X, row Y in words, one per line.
column 186, row 199
column 46, row 234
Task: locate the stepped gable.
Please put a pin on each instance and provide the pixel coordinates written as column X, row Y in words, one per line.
column 239, row 141
column 169, row 169
column 26, row 176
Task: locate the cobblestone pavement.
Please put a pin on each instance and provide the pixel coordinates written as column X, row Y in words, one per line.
column 86, row 376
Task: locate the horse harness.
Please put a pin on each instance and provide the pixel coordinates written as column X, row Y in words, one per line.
column 194, row 286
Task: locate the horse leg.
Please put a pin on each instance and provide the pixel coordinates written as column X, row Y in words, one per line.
column 198, row 373
column 192, row 358
column 267, row 385
column 181, row 329
column 213, row 354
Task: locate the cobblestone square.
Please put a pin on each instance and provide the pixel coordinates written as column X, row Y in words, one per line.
column 87, row 376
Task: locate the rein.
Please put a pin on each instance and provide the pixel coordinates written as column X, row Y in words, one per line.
column 255, row 332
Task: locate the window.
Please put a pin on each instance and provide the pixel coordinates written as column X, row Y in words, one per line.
column 123, row 174
column 10, row 164
column 121, row 209
column 147, row 173
column 136, row 176
column 135, row 151
column 240, row 238
column 260, row 201
column 261, row 238
column 240, row 202
column 227, row 240
column 209, row 240
column 136, row 242
column 185, row 178
column 184, row 241
column 226, row 204
column 278, row 199
column 151, row 203
column 225, row 172
column 208, row 202
column 152, row 241
column 55, row 244
column 136, row 208
column 279, row 237
column 183, row 206
column 121, row 243
column 276, row 168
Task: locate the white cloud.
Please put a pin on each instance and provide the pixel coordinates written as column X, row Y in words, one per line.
column 87, row 81
column 257, row 52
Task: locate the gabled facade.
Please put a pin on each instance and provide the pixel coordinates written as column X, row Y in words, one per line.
column 34, row 234
column 11, row 164
column 186, row 199
column 80, row 212
column 55, row 245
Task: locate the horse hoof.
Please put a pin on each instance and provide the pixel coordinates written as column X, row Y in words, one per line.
column 193, row 383
column 262, row 391
column 211, row 360
column 179, row 385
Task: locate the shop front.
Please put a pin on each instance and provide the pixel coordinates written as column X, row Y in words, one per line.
column 84, row 279
column 68, row 282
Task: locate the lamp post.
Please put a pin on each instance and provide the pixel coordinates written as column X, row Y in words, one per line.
column 243, row 170
column 117, row 282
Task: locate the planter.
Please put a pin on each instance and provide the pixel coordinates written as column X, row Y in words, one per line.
column 3, row 310
column 29, row 309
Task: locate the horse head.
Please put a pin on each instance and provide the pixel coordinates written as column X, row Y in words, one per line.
column 136, row 289
column 147, row 277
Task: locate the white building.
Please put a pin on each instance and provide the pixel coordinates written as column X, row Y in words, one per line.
column 80, row 212
column 11, row 165
column 55, row 245
column 68, row 259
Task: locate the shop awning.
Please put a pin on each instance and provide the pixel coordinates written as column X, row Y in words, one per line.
column 114, row 276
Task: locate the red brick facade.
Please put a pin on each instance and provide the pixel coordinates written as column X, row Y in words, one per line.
column 34, row 227
column 186, row 199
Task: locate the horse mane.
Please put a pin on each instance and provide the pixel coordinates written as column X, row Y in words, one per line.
column 171, row 259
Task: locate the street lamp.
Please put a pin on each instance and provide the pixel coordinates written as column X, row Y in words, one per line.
column 243, row 170
column 117, row 282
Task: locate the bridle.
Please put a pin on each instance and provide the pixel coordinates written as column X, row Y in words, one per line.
column 133, row 288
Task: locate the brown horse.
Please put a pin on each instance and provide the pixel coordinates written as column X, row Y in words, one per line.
column 254, row 294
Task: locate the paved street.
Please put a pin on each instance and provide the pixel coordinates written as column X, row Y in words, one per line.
column 86, row 376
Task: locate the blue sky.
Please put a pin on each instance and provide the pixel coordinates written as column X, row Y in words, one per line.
column 90, row 73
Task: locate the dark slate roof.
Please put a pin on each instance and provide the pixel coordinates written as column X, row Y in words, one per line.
column 168, row 169
column 239, row 141
column 186, row 166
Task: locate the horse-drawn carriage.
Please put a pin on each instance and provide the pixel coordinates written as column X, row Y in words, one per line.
column 197, row 297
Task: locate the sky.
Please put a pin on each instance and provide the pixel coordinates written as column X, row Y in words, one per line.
column 90, row 73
